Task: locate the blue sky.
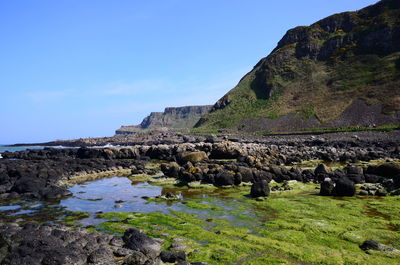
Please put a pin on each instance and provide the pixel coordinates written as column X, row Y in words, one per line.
column 82, row 68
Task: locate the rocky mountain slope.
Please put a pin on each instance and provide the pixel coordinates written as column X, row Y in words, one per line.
column 341, row 71
column 171, row 118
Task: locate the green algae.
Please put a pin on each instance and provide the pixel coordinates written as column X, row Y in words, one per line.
column 225, row 226
column 81, row 178
column 201, row 205
column 157, row 179
column 155, row 164
column 72, row 218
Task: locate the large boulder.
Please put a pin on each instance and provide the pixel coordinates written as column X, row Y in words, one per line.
column 260, row 189
column 138, row 241
column 224, row 178
column 193, row 157
column 368, row 245
column 262, row 175
column 371, row 244
column 171, row 169
column 86, row 153
column 370, row 178
column 322, row 169
column 225, row 151
column 247, row 174
column 54, row 192
column 344, row 187
column 354, row 169
column 137, row 258
column 356, row 178
column 327, row 187
column 172, row 257
column 388, row 170
column 396, row 180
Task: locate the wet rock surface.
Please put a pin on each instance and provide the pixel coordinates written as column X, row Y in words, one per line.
column 45, row 173
column 33, row 178
column 32, row 244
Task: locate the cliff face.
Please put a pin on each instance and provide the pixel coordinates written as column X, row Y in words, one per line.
column 171, row 118
column 318, row 72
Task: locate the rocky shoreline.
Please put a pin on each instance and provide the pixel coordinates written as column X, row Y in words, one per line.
column 217, row 160
column 34, row 244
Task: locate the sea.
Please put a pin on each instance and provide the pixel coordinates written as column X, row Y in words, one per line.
column 6, row 148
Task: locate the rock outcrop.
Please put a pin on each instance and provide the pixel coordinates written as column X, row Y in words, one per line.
column 171, row 118
column 34, row 244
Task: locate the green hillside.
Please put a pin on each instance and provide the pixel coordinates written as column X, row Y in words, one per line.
column 317, row 72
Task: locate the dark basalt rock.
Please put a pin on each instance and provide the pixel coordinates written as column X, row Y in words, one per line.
column 138, row 241
column 33, row 244
column 43, row 244
column 260, row 175
column 225, row 178
column 322, row 169
column 388, row 170
column 192, row 157
column 354, row 170
column 327, row 187
column 374, row 245
column 36, row 173
column 356, row 178
column 246, row 173
column 224, row 151
column 369, row 178
column 396, row 180
column 171, row 257
column 370, row 244
column 344, row 187
column 260, row 189
column 137, row 258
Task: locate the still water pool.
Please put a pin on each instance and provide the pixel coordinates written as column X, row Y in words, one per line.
column 120, row 194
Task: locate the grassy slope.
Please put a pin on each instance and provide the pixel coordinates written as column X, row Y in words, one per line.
column 323, row 88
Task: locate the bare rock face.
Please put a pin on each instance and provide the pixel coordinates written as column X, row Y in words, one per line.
column 171, row 118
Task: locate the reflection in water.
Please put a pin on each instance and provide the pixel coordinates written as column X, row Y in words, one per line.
column 120, row 194
column 102, row 195
column 116, row 194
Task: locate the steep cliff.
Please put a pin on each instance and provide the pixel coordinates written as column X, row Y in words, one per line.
column 172, row 118
column 343, row 70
